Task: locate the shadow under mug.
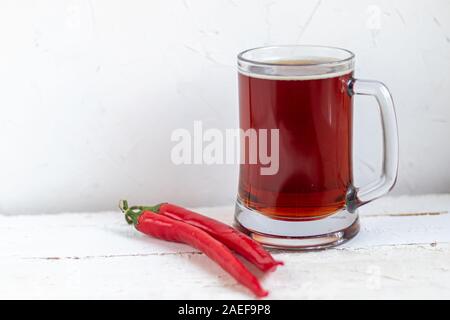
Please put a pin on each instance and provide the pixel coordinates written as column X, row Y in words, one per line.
column 306, row 94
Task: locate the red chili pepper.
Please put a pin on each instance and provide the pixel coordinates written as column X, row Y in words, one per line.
column 232, row 238
column 168, row 229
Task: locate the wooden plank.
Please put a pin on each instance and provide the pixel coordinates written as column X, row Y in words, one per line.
column 382, row 272
column 104, row 234
column 402, row 251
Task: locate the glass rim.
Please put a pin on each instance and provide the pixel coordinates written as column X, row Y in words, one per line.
column 350, row 57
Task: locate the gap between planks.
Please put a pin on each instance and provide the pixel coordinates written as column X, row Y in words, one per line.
column 274, row 251
column 405, row 214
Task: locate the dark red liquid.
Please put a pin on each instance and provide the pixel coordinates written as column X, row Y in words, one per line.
column 315, row 122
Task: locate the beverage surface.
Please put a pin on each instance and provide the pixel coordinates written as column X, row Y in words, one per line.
column 297, row 69
column 303, row 61
column 314, row 118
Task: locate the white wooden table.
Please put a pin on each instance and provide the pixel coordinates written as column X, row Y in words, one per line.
column 402, row 251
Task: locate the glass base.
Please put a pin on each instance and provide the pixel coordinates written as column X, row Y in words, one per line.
column 297, row 234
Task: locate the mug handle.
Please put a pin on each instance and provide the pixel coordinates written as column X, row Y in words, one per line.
column 358, row 196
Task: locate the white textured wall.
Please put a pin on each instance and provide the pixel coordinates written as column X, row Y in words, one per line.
column 91, row 90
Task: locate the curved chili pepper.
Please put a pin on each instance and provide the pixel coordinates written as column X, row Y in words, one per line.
column 232, row 238
column 168, row 229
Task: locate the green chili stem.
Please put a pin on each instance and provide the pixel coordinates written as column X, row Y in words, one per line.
column 132, row 213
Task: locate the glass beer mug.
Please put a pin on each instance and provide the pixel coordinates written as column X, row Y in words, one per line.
column 306, row 94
